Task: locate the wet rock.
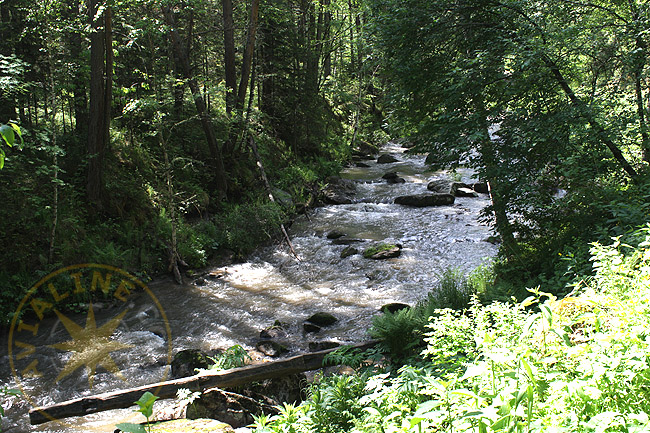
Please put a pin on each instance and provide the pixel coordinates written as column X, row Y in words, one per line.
column 271, row 348
column 481, row 187
column 316, row 346
column 349, row 251
column 386, row 159
column 465, row 192
column 339, row 191
column 456, row 185
column 216, row 274
column 392, row 177
column 322, row 319
column 310, row 328
column 425, row 200
column 431, row 159
column 233, row 408
column 238, row 408
column 494, row 240
column 335, row 234
column 382, row 251
column 186, row 362
column 200, row 282
column 201, row 425
column 440, row 186
column 394, row 307
column 275, row 331
column 362, row 165
column 347, row 241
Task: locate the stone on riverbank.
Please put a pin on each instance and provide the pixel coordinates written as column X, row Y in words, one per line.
column 339, row 191
column 322, row 319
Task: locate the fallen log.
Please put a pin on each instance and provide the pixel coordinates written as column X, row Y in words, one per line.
column 208, row 379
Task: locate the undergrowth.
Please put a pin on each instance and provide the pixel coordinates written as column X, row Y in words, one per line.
column 577, row 364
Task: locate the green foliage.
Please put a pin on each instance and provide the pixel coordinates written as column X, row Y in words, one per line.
column 146, row 408
column 233, row 357
column 8, row 134
column 577, row 364
column 245, row 226
column 5, row 391
column 371, row 251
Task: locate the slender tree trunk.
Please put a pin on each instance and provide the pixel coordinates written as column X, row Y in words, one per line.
column 248, row 54
column 80, row 99
column 601, row 132
column 206, row 120
column 101, row 57
column 229, row 55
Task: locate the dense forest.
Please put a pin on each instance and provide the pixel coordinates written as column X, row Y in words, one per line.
column 143, row 123
column 150, row 135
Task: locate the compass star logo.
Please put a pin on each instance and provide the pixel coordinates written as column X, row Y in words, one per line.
column 60, row 331
column 91, row 346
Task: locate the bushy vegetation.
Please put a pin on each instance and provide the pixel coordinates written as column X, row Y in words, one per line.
column 576, row 364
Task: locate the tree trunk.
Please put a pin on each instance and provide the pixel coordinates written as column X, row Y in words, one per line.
column 248, row 55
column 229, row 55
column 602, row 134
column 206, row 120
column 80, row 99
column 101, row 57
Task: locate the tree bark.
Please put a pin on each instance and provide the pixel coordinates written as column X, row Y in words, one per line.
column 248, row 54
column 80, row 99
column 204, row 116
column 101, row 66
column 229, row 55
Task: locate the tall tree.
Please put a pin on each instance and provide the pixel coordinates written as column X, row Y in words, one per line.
column 101, row 85
column 206, row 120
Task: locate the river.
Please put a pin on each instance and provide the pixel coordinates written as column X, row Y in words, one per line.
column 271, row 285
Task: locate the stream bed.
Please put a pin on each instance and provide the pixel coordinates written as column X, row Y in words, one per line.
column 272, row 285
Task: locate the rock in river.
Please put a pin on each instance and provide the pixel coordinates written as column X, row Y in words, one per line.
column 382, row 251
column 424, row 200
column 386, row 159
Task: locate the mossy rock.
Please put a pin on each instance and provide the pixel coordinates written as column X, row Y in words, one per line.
column 382, row 251
column 186, row 362
column 195, row 425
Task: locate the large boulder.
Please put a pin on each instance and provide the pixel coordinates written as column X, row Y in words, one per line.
column 339, row 191
column 394, row 307
column 233, row 408
column 425, row 200
column 186, row 362
column 392, row 177
column 382, row 251
column 440, row 186
column 386, row 159
column 322, row 319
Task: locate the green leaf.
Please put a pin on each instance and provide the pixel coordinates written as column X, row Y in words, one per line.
column 146, row 404
column 8, row 135
column 2, row 159
column 131, row 428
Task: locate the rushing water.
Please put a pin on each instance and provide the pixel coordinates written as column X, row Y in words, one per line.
column 273, row 285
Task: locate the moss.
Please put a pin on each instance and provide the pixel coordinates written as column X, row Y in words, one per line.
column 376, row 249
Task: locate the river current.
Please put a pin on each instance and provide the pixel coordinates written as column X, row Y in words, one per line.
column 271, row 285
